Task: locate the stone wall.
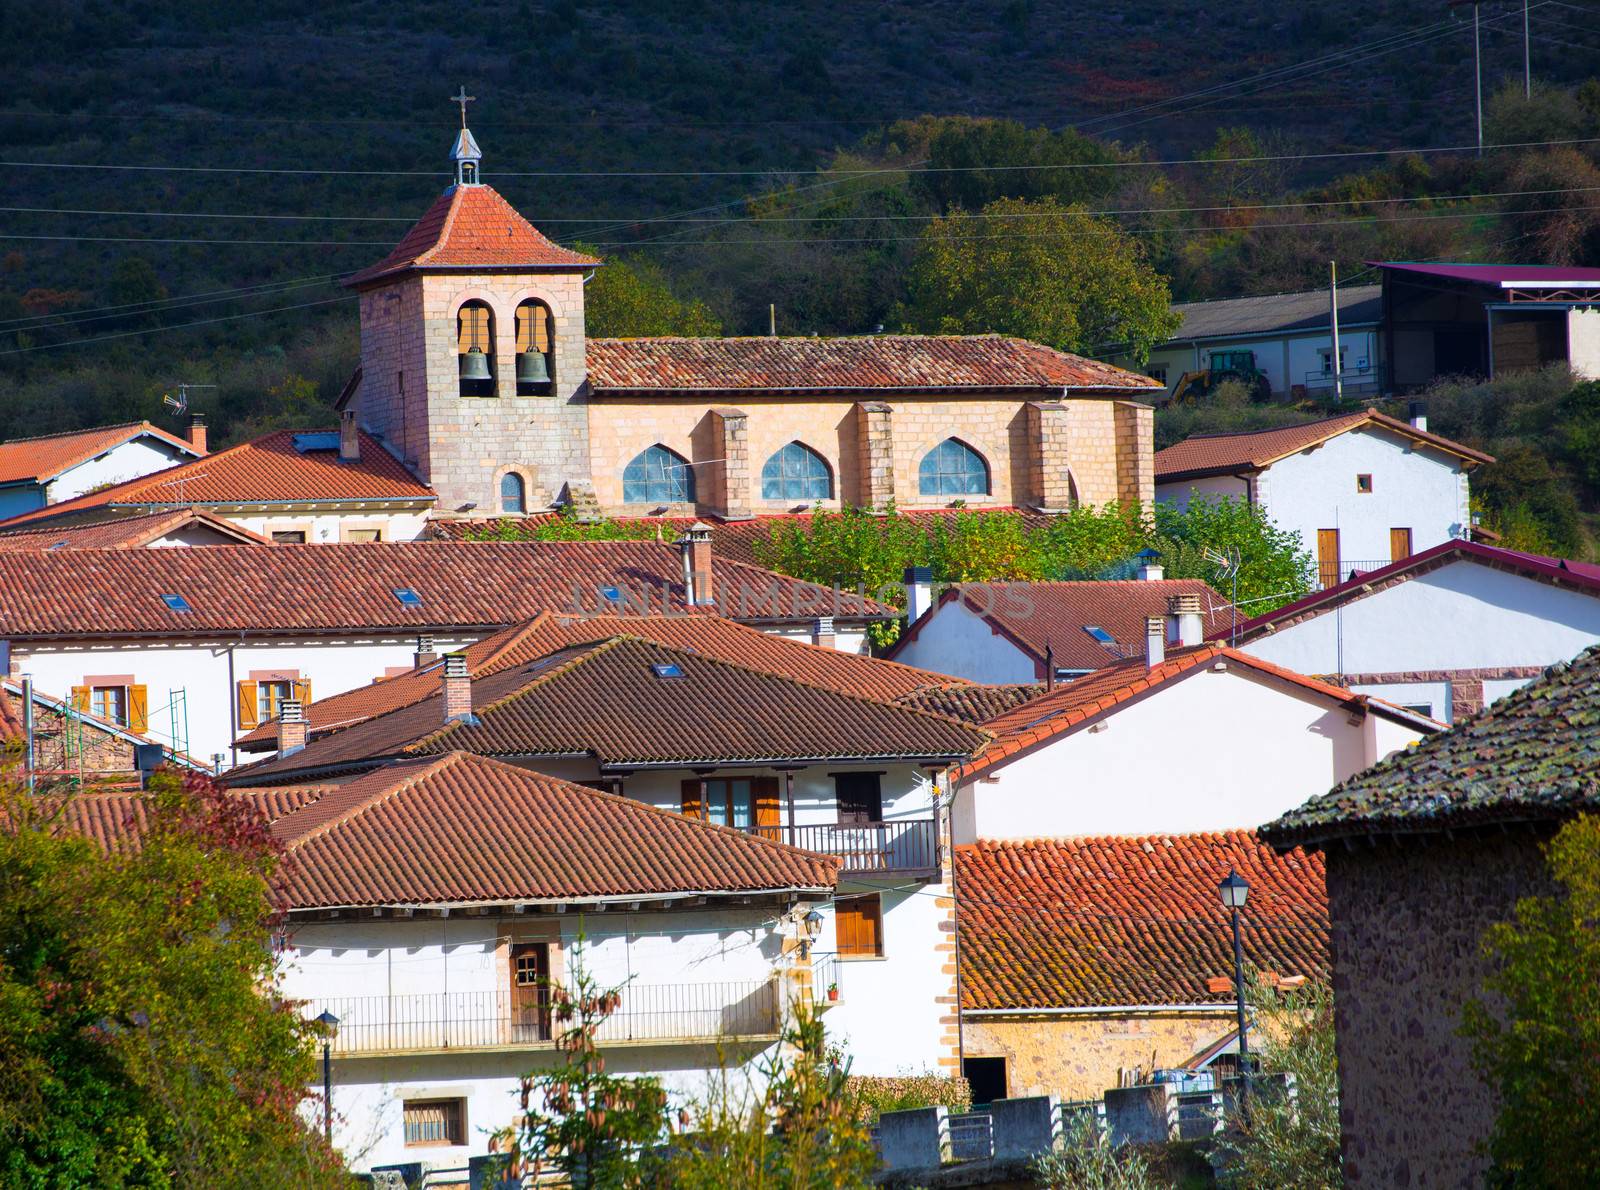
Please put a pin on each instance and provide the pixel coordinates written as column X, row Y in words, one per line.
column 85, row 748
column 1079, row 1056
column 1407, row 919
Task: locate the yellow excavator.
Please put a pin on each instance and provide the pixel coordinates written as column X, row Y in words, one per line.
column 1193, row 388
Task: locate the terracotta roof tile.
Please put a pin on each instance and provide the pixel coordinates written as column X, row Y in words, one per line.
column 971, row 702
column 846, row 364
column 1114, row 921
column 121, row 529
column 45, row 457
column 472, row 227
column 1224, row 454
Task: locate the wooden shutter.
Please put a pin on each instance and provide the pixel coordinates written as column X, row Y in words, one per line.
column 81, row 696
column 693, row 805
column 248, row 717
column 474, row 327
column 302, row 692
column 139, row 708
column 858, row 925
column 1399, row 544
column 1328, row 557
column 764, row 792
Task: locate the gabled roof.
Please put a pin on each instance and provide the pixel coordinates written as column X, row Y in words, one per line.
column 1057, row 614
column 284, row 467
column 471, row 227
column 1533, row 755
column 1129, row 921
column 1276, row 313
column 709, row 636
column 347, row 587
column 1577, row 576
column 867, row 363
column 1229, row 454
column 41, row 459
column 123, row 529
column 630, row 704
column 1093, row 695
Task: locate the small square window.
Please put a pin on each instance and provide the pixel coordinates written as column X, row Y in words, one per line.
column 110, row 703
column 407, row 597
column 435, row 1121
column 1364, row 484
column 176, row 603
column 667, row 669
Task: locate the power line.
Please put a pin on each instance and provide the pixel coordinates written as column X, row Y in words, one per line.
column 5, row 235
column 161, row 305
column 175, row 327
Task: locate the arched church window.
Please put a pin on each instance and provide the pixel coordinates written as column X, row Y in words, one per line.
column 658, row 476
column 513, row 493
column 536, row 356
column 953, row 469
column 475, row 349
column 796, row 473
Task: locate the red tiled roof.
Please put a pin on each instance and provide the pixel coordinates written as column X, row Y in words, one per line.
column 709, row 636
column 1224, row 454
column 43, row 458
column 868, row 363
column 1084, row 698
column 266, row 469
column 11, row 725
column 472, row 227
column 122, row 529
column 971, row 702
column 606, row 700
column 338, row 587
column 1033, row 615
column 1126, row 921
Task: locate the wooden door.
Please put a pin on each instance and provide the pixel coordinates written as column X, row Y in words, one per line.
column 1328, row 557
column 530, row 990
column 1399, row 544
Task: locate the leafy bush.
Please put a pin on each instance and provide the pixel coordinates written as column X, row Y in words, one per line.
column 872, row 1095
column 1086, row 1161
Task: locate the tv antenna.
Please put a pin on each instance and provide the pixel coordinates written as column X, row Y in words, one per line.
column 180, row 403
column 1227, row 564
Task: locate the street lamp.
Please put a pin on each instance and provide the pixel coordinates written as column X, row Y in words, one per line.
column 1234, row 889
column 331, row 1022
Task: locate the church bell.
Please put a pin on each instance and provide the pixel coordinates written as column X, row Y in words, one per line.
column 532, row 368
column 475, row 365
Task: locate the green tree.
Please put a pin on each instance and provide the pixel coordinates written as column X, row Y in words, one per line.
column 1577, row 432
column 1042, row 271
column 634, row 297
column 973, row 162
column 140, row 1042
column 1536, row 1032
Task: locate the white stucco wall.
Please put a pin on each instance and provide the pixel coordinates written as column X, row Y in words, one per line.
column 1214, row 751
column 132, row 459
column 1583, row 342
column 1211, row 487
column 322, row 528
column 1432, row 698
column 954, row 640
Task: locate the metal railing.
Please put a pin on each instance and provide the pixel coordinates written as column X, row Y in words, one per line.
column 436, row 1021
column 908, row 845
column 1330, row 574
column 972, row 1136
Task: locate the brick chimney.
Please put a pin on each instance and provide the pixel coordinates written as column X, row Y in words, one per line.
column 349, row 440
column 197, row 432
column 293, row 730
column 696, row 547
column 822, row 632
column 457, row 688
column 1155, row 641
column 1185, row 622
column 425, row 655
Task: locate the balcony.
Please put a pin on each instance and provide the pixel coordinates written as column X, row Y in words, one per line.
column 909, row 847
column 1330, row 573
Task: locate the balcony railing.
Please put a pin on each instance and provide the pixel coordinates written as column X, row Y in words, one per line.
column 911, row 845
column 504, row 1019
column 1330, row 574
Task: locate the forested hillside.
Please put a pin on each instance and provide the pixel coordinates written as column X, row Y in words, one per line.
column 1051, row 169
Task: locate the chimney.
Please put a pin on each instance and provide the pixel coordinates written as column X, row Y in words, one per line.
column 1417, row 415
column 293, row 730
column 349, row 440
column 457, row 688
column 822, row 632
column 919, row 591
column 1150, row 566
column 1186, row 624
column 1155, row 641
column 1049, row 668
column 425, row 655
column 197, row 432
column 696, row 547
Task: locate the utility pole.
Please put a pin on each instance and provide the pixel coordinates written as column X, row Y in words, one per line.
column 1527, row 72
column 1333, row 319
column 1477, row 58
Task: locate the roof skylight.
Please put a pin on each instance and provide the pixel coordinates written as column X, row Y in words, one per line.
column 176, row 603
column 667, row 669
column 408, row 597
column 1100, row 635
column 611, row 594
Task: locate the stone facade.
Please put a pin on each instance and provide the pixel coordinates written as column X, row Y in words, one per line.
column 1407, row 920
column 1466, row 685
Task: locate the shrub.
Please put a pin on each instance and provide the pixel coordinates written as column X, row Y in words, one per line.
column 1088, row 1162
column 873, row 1095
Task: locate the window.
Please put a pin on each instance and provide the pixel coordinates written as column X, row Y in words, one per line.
column 658, row 476
column 796, row 473
column 363, row 535
column 859, row 796
column 667, row 669
column 115, row 699
column 858, row 926
column 536, row 360
column 513, row 494
column 742, row 803
column 953, row 469
column 288, row 537
column 260, row 698
column 1154, row 374
column 1364, row 484
column 110, row 702
column 435, row 1121
column 176, row 603
column 408, row 597
column 270, row 697
column 1326, row 355
column 475, row 349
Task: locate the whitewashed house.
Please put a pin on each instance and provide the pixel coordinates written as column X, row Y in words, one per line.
column 1446, row 631
column 765, row 753
column 219, row 637
column 1361, row 490
column 38, row 472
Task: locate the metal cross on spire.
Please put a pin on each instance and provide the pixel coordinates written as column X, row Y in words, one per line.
column 463, row 99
